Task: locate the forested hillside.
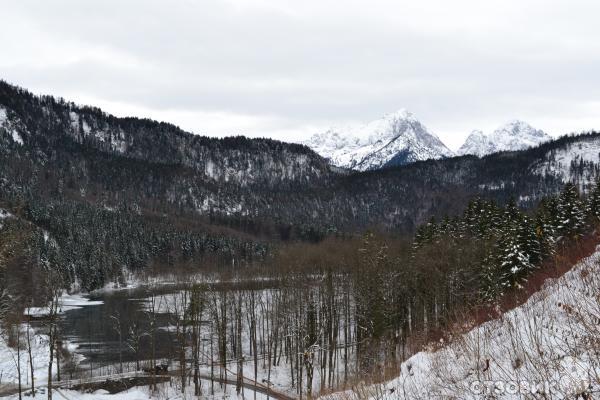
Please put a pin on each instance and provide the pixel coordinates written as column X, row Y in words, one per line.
column 109, row 194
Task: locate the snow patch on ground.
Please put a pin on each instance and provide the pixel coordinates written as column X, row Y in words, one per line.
column 5, row 214
column 81, row 126
column 133, row 280
column 66, row 302
column 9, row 359
column 16, row 137
column 8, row 126
column 164, row 391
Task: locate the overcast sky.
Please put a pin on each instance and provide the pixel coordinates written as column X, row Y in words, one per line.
column 287, row 69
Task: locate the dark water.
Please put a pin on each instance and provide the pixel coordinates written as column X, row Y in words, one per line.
column 95, row 330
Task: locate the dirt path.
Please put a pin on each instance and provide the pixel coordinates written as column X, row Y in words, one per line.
column 250, row 384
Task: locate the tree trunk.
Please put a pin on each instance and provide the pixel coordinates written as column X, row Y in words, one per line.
column 19, row 359
column 51, row 345
column 31, row 368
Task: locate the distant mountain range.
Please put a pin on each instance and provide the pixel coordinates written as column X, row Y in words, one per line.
column 512, row 136
column 395, row 139
column 400, row 138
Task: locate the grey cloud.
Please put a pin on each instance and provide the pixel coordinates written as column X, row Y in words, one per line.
column 315, row 63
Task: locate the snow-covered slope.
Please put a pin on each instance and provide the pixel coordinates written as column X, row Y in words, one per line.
column 397, row 138
column 551, row 343
column 3, row 215
column 577, row 162
column 515, row 135
column 9, row 127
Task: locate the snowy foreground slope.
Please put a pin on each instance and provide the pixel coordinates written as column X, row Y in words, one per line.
column 547, row 348
column 164, row 391
column 512, row 136
column 395, row 139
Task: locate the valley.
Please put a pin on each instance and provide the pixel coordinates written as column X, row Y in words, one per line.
column 133, row 251
column 299, row 200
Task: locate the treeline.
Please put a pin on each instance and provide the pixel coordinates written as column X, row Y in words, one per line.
column 91, row 246
column 405, row 293
column 469, row 260
column 49, row 125
column 260, row 187
column 327, row 314
column 510, row 243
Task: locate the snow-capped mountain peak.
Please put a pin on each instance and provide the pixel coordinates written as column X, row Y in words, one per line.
column 512, row 136
column 521, row 129
column 396, row 138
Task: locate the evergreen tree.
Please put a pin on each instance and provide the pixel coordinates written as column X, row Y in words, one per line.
column 511, row 213
column 529, row 241
column 425, row 234
column 490, row 278
column 470, row 218
column 513, row 260
column 593, row 203
column 548, row 222
column 515, row 255
column 571, row 213
column 445, row 226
